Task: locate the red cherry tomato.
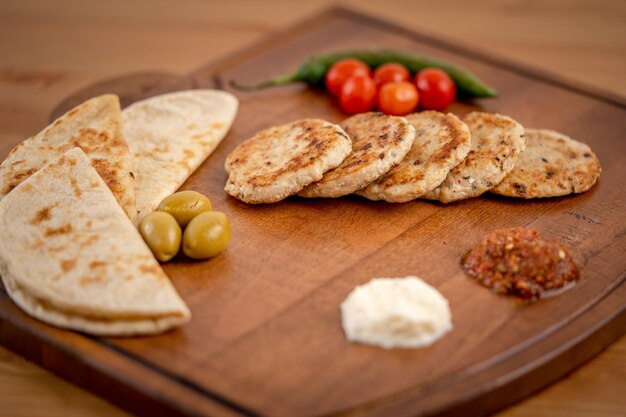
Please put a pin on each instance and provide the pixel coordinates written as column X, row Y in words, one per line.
column 341, row 71
column 398, row 99
column 436, row 88
column 358, row 94
column 391, row 72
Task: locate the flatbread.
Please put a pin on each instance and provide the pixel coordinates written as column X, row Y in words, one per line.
column 69, row 256
column 95, row 127
column 379, row 142
column 552, row 165
column 442, row 141
column 497, row 142
column 280, row 161
column 170, row 136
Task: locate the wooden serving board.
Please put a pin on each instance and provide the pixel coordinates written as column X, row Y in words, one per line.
column 266, row 339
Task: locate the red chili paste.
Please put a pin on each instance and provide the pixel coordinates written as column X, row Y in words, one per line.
column 518, row 262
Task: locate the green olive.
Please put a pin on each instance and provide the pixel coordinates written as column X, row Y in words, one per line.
column 162, row 234
column 185, row 205
column 206, row 235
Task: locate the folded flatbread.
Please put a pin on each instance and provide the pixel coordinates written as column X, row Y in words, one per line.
column 69, row 256
column 170, row 136
column 95, row 127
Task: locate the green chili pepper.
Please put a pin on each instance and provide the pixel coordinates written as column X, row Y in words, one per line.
column 314, row 70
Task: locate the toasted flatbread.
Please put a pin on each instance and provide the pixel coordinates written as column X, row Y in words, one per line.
column 552, row 165
column 497, row 142
column 379, row 143
column 442, row 141
column 279, row 161
column 95, row 127
column 69, row 256
column 170, row 136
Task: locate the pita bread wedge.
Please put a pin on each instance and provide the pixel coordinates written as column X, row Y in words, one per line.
column 497, row 142
column 552, row 165
column 69, row 256
column 170, row 136
column 279, row 161
column 95, row 127
column 442, row 141
column 379, row 142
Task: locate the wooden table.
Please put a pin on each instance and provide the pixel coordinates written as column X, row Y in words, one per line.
column 50, row 49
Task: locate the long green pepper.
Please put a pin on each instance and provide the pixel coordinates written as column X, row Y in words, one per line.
column 314, row 70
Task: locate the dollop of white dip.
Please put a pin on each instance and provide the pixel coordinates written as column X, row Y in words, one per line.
column 395, row 312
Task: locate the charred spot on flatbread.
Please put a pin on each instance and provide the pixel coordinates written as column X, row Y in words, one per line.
column 42, row 215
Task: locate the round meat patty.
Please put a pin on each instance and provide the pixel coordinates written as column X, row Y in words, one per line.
column 552, row 165
column 379, row 142
column 442, row 141
column 279, row 161
column 497, row 142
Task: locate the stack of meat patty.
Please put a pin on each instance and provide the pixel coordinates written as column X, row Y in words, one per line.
column 428, row 155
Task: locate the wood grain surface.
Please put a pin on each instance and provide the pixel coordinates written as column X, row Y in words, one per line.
column 38, row 77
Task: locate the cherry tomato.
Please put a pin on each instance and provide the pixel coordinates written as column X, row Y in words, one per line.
column 391, row 72
column 358, row 94
column 436, row 88
column 398, row 99
column 341, row 71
